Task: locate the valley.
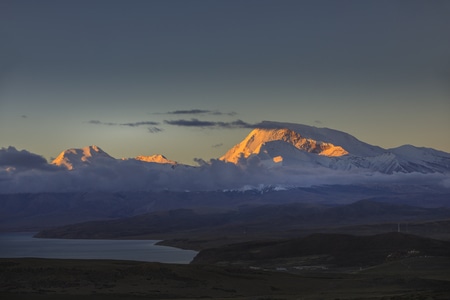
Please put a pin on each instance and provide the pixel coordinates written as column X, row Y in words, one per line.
column 252, row 245
column 291, row 212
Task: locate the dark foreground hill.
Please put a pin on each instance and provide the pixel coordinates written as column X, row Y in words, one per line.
column 326, row 250
column 37, row 279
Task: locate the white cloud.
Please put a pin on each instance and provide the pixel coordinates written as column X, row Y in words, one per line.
column 22, row 171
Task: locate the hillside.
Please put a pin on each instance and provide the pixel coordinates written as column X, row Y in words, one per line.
column 427, row 278
column 326, row 250
column 188, row 227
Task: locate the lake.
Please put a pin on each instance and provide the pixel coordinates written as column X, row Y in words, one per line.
column 13, row 245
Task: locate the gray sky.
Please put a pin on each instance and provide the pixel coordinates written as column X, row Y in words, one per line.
column 173, row 77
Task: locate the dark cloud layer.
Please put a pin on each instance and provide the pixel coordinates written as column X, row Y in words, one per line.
column 193, row 122
column 19, row 160
column 200, row 112
column 136, row 124
column 130, row 124
column 97, row 122
column 154, row 129
column 151, row 129
column 223, row 125
column 188, row 112
column 22, row 171
column 210, row 124
column 190, row 123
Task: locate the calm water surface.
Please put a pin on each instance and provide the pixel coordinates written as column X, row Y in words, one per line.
column 24, row 245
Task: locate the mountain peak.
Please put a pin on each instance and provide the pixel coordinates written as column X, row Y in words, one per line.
column 74, row 157
column 332, row 136
column 157, row 158
column 283, row 144
column 252, row 144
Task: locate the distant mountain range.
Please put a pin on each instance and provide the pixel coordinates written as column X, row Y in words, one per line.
column 35, row 211
column 277, row 155
column 81, row 157
column 274, row 220
column 300, row 146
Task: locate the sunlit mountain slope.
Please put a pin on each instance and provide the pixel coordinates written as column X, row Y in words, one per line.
column 73, row 158
column 295, row 145
column 157, row 158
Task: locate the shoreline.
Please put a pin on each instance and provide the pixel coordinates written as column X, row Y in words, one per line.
column 26, row 245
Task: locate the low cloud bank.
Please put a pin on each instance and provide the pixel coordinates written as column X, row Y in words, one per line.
column 23, row 171
column 13, row 159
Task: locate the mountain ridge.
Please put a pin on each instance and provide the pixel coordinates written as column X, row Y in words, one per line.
column 76, row 157
column 253, row 142
column 276, row 144
column 325, row 134
column 156, row 158
column 81, row 157
column 278, row 155
column 332, row 149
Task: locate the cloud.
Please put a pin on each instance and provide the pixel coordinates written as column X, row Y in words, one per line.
column 235, row 124
column 154, row 129
column 190, row 123
column 200, row 161
column 97, row 122
column 213, row 175
column 131, row 124
column 238, row 124
column 136, row 124
column 188, row 112
column 13, row 159
column 193, row 122
column 22, row 171
column 210, row 124
column 24, row 116
column 200, row 112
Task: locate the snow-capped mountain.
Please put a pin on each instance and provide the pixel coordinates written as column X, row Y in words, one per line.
column 157, row 158
column 261, row 137
column 77, row 157
column 286, row 144
column 279, row 145
column 276, row 155
column 93, row 155
column 425, row 160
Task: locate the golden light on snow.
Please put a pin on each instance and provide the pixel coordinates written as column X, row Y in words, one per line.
column 278, row 159
column 74, row 158
column 66, row 158
column 157, row 158
column 258, row 137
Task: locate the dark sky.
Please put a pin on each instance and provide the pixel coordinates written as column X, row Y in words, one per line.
column 125, row 74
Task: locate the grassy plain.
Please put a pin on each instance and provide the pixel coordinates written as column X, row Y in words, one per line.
column 30, row 278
